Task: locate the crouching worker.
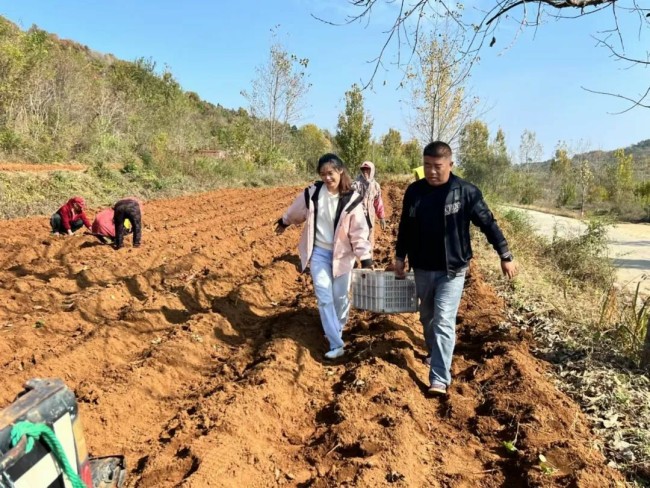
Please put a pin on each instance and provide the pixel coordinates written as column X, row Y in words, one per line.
column 70, row 217
column 104, row 227
column 128, row 208
column 335, row 232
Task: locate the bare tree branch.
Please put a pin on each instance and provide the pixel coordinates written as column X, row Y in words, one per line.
column 480, row 26
column 621, row 56
column 635, row 102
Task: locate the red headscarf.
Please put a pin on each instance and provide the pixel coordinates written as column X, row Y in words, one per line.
column 79, row 201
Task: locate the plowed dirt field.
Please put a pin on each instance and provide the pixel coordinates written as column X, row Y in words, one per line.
column 199, row 356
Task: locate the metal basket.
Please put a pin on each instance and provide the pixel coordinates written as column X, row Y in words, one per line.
column 380, row 291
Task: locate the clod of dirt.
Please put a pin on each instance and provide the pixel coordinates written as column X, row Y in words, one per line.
column 394, row 477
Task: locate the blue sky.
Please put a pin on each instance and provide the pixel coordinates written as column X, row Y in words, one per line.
column 213, row 47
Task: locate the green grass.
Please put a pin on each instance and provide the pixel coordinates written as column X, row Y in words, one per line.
column 23, row 194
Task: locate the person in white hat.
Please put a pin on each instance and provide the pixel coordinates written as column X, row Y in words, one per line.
column 369, row 189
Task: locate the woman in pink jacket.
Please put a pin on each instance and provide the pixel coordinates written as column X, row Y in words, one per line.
column 335, row 233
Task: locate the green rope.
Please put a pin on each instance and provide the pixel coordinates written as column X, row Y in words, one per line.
column 35, row 432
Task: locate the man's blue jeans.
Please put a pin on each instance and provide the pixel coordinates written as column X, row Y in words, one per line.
column 439, row 298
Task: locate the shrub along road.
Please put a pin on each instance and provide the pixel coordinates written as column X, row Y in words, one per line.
column 629, row 245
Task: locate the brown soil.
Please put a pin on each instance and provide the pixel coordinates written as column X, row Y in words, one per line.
column 39, row 168
column 199, row 357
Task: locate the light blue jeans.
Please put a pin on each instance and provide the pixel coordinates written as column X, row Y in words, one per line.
column 332, row 295
column 439, row 298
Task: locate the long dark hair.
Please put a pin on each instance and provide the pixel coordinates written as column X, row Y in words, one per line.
column 345, row 184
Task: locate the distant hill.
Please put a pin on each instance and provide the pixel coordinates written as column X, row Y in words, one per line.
column 126, row 127
column 61, row 101
column 640, row 151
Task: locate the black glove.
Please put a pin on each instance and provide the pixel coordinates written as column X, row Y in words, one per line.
column 366, row 263
column 280, row 226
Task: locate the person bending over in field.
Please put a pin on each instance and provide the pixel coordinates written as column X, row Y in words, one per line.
column 128, row 208
column 104, row 226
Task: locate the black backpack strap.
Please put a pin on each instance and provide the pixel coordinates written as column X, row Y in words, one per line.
column 355, row 203
column 317, row 185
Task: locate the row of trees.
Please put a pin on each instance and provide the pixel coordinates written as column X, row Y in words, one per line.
column 574, row 178
column 274, row 141
column 353, row 138
column 439, row 100
column 442, row 108
column 618, row 183
column 60, row 101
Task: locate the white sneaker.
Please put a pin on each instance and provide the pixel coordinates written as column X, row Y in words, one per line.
column 335, row 353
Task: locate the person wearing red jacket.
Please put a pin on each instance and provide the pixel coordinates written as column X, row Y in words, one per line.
column 104, row 226
column 70, row 217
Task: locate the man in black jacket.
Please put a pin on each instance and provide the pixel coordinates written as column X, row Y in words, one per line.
column 434, row 234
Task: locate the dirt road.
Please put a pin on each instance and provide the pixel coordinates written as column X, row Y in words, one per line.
column 629, row 245
column 200, row 357
column 39, row 168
